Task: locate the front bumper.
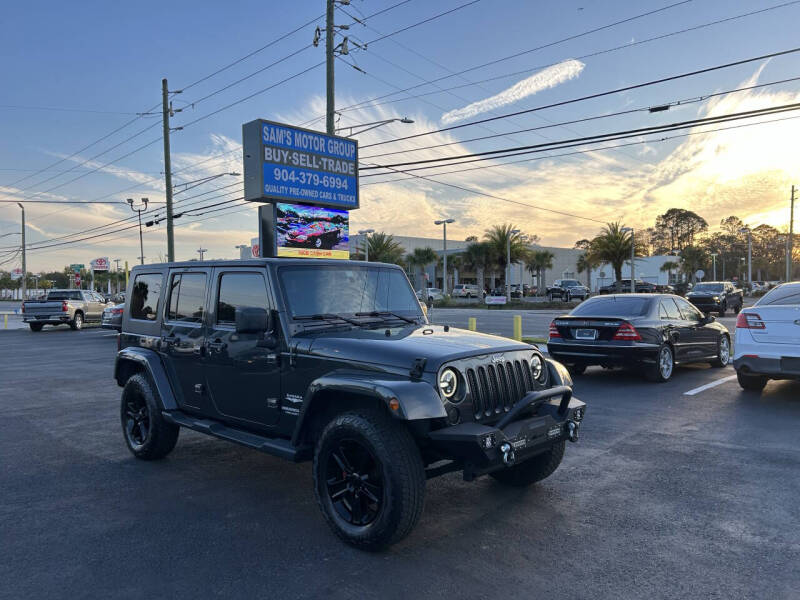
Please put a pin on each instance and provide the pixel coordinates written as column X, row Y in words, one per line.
column 706, row 305
column 481, row 449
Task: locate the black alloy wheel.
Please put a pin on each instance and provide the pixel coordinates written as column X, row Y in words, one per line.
column 354, row 482
column 136, row 421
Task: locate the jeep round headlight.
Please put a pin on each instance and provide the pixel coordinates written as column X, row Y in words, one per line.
column 537, row 367
column 448, row 383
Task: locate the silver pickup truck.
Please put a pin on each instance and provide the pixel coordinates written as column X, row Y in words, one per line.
column 73, row 307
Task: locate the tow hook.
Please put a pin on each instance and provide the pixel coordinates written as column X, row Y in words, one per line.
column 508, row 454
column 572, row 429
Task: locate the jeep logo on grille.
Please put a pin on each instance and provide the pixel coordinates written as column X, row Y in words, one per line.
column 498, row 358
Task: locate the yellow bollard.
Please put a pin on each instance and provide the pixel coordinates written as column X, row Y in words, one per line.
column 5, row 321
column 473, row 325
column 518, row 328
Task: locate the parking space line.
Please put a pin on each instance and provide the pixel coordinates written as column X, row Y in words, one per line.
column 708, row 386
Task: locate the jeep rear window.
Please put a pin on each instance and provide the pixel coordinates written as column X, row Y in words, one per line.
column 144, row 297
column 317, row 289
column 613, row 306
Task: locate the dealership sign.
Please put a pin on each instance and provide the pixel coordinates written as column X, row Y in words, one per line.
column 16, row 274
column 290, row 164
column 76, row 267
column 99, row 264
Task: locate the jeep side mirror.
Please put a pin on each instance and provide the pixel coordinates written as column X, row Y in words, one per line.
column 252, row 319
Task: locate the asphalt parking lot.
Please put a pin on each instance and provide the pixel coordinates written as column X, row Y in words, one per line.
column 672, row 492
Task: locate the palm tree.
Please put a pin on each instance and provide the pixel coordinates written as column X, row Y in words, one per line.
column 613, row 246
column 476, row 257
column 669, row 267
column 692, row 259
column 500, row 238
column 384, row 248
column 587, row 262
column 419, row 259
column 537, row 262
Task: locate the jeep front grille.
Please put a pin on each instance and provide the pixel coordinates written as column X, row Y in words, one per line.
column 495, row 388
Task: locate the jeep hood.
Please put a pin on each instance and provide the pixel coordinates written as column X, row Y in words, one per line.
column 405, row 344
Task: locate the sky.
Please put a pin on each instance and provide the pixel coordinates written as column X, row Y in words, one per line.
column 83, row 72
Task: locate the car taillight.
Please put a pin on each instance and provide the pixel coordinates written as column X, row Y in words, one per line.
column 116, row 311
column 749, row 321
column 628, row 333
column 64, row 307
column 554, row 330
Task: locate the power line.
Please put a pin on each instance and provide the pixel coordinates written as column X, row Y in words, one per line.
column 491, row 154
column 429, row 19
column 591, row 96
column 371, row 102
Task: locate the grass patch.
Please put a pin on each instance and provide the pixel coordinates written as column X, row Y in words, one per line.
column 534, row 340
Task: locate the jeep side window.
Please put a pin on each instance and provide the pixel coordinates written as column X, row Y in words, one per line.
column 237, row 290
column 144, row 296
column 187, row 297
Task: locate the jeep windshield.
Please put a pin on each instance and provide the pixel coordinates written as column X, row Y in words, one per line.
column 330, row 292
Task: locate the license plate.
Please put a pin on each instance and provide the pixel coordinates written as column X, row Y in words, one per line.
column 790, row 364
column 586, row 334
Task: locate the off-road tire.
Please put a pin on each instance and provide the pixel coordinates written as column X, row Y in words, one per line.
column 719, row 362
column 36, row 326
column 566, row 297
column 655, row 373
column 161, row 435
column 751, row 383
column 402, row 470
column 77, row 322
column 532, row 470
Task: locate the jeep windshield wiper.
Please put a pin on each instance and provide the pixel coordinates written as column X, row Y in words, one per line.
column 384, row 313
column 328, row 317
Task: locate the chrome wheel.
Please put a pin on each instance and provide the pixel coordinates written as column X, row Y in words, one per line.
column 724, row 350
column 665, row 362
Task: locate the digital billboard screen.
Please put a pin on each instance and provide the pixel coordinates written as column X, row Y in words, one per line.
column 311, row 232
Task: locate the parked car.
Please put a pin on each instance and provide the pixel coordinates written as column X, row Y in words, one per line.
column 651, row 332
column 624, row 286
column 664, row 288
column 467, row 290
column 566, row 290
column 293, row 358
column 432, row 293
column 716, row 296
column 70, row 307
column 768, row 338
column 516, row 291
column 112, row 317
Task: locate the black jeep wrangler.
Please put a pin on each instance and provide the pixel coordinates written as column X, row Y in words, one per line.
column 335, row 362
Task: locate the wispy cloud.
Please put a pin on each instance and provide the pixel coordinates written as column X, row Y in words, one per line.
column 544, row 79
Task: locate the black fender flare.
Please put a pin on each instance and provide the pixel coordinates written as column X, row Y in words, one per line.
column 558, row 374
column 149, row 362
column 416, row 399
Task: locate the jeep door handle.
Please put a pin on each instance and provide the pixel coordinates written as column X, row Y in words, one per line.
column 217, row 345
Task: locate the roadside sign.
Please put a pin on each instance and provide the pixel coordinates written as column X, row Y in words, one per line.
column 77, row 280
column 76, row 267
column 495, row 300
column 700, row 273
column 16, row 274
column 290, row 164
column 100, row 264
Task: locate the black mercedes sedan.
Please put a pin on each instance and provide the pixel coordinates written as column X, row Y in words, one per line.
column 653, row 332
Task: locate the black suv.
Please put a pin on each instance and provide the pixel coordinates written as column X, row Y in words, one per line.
column 716, row 296
column 334, row 361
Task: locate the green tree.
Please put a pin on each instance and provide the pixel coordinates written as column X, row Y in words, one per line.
column 586, row 263
column 692, row 259
column 613, row 246
column 384, row 248
column 419, row 259
column 537, row 262
column 500, row 239
column 670, row 266
column 681, row 227
column 477, row 257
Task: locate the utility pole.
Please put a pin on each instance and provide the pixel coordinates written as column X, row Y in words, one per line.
column 790, row 240
column 116, row 274
column 24, row 263
column 202, row 251
column 139, row 212
column 633, row 256
column 329, row 64
column 166, row 111
column 443, row 223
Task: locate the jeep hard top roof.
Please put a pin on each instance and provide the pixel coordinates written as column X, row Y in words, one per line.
column 261, row 262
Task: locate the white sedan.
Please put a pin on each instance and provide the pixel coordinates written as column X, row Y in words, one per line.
column 767, row 342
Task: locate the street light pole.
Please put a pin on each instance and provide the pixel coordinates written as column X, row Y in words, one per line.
column 116, row 273
column 714, row 261
column 443, row 223
column 365, row 233
column 139, row 211
column 511, row 233
column 202, row 252
column 633, row 257
column 24, row 262
column 749, row 255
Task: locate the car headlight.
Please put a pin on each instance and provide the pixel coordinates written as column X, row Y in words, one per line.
column 715, row 298
column 537, row 368
column 448, row 383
